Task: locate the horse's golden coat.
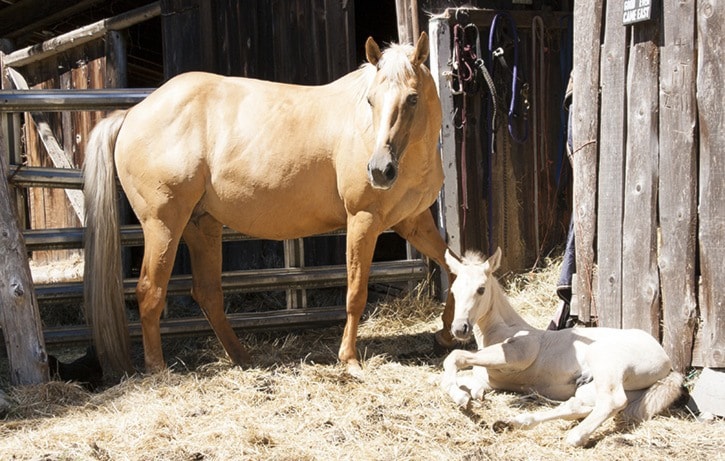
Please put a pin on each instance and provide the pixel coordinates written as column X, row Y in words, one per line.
column 273, row 161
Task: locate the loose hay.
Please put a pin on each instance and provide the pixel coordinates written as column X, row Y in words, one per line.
column 299, row 403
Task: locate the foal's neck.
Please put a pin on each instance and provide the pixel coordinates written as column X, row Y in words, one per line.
column 502, row 314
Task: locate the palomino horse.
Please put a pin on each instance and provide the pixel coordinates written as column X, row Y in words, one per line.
column 273, row 161
column 599, row 372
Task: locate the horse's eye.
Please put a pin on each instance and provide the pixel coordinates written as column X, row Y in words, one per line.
column 370, row 101
column 412, row 99
column 481, row 290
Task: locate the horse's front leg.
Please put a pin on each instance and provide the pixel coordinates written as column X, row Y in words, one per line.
column 461, row 390
column 515, row 354
column 362, row 233
column 422, row 232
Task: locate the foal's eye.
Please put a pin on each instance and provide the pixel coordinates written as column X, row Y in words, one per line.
column 480, row 290
column 370, row 101
column 412, row 99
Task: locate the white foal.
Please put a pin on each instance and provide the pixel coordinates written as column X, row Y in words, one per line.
column 597, row 372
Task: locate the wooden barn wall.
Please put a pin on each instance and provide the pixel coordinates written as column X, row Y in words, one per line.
column 307, row 42
column 80, row 68
column 658, row 238
column 293, row 41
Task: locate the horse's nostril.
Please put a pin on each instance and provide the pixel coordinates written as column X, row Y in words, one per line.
column 390, row 172
column 465, row 328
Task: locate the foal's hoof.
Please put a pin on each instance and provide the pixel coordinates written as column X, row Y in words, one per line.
column 501, row 426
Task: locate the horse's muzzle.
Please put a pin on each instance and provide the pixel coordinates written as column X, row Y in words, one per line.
column 382, row 168
column 461, row 329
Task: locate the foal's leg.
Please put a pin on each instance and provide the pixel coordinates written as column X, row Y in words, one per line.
column 161, row 239
column 476, row 385
column 203, row 236
column 610, row 399
column 577, row 407
column 422, row 233
column 513, row 355
column 362, row 232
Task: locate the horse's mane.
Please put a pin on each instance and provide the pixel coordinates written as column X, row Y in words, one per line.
column 395, row 66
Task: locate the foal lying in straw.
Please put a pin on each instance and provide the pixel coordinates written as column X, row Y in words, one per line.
column 597, row 372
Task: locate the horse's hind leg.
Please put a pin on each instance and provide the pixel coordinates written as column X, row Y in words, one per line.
column 160, row 244
column 203, row 238
column 577, row 407
column 610, row 397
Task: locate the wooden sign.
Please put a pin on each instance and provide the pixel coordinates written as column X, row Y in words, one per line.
column 636, row 11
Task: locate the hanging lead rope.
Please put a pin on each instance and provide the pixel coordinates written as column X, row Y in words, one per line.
column 537, row 62
column 519, row 88
column 468, row 69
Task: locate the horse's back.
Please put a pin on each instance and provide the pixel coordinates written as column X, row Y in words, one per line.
column 254, row 154
column 634, row 353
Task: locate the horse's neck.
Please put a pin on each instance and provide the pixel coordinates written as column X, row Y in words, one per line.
column 502, row 319
column 350, row 92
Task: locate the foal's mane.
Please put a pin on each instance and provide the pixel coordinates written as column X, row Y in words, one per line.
column 473, row 258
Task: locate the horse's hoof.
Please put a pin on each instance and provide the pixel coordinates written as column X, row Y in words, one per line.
column 501, row 426
column 575, row 439
column 442, row 346
column 355, row 370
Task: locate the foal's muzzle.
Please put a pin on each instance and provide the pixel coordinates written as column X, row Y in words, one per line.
column 383, row 168
column 461, row 329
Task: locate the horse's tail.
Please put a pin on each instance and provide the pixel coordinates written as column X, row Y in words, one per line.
column 654, row 399
column 103, row 287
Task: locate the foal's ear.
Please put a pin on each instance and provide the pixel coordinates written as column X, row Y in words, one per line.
column 421, row 50
column 372, row 51
column 452, row 261
column 494, row 262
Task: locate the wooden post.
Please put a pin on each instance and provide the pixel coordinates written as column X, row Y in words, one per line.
column 19, row 315
column 407, row 13
column 610, row 208
column 585, row 128
column 710, row 95
column 640, row 278
column 448, row 200
column 678, row 181
column 294, row 256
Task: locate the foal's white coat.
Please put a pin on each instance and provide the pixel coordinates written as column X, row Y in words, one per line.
column 597, row 371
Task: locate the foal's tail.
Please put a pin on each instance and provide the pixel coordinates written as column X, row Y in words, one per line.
column 103, row 290
column 654, row 399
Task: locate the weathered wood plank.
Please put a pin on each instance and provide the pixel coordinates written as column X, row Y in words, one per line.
column 80, row 36
column 183, row 37
column 440, row 55
column 585, row 124
column 407, row 14
column 710, row 97
column 340, row 40
column 640, row 280
column 19, row 315
column 611, row 170
column 678, row 181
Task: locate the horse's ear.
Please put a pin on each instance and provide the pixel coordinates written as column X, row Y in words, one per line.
column 452, row 261
column 421, row 50
column 494, row 262
column 372, row 51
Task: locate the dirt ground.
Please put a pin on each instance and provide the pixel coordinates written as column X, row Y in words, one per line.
column 298, row 403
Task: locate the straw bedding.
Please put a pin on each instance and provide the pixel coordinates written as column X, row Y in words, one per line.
column 298, row 403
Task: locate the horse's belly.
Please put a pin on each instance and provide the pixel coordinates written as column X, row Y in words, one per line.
column 278, row 216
